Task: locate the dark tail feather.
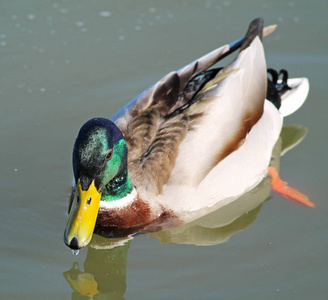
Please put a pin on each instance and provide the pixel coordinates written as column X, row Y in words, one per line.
column 276, row 90
column 255, row 29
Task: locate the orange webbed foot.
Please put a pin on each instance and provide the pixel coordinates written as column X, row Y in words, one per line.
column 282, row 188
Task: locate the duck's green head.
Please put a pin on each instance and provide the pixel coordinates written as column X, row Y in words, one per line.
column 99, row 161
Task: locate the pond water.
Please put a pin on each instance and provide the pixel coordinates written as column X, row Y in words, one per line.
column 64, row 62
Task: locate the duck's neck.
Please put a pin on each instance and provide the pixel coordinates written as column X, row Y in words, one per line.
column 118, row 187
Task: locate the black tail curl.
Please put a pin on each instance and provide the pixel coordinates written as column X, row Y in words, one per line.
column 276, row 90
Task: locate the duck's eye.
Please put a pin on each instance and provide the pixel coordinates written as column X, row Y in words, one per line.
column 109, row 155
column 89, row 200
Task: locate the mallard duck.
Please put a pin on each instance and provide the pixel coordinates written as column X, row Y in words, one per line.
column 193, row 142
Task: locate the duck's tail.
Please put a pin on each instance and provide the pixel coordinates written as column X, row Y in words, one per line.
column 287, row 94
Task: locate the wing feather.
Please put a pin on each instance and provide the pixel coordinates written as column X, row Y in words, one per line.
column 153, row 168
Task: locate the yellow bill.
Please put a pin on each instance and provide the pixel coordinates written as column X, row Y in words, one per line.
column 82, row 217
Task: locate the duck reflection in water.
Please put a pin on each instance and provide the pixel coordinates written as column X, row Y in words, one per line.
column 104, row 275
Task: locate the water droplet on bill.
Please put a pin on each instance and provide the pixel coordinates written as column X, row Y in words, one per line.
column 75, row 252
